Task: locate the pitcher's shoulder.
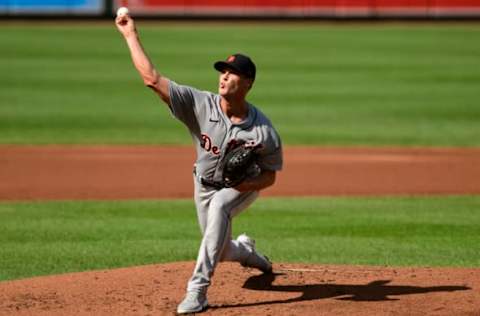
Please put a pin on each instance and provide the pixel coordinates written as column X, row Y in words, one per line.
column 261, row 118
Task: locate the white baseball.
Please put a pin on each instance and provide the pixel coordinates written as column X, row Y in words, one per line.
column 122, row 11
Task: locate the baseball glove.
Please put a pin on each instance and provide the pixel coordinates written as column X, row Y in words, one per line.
column 238, row 164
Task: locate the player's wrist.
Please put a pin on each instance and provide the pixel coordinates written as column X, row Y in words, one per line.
column 131, row 35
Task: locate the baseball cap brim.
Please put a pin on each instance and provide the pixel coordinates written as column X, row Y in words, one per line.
column 222, row 66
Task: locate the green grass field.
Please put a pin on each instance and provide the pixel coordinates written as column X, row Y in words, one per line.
column 56, row 237
column 321, row 84
column 350, row 84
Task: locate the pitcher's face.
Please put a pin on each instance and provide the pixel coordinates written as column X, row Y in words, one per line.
column 233, row 84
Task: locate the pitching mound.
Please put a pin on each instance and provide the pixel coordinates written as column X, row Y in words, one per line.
column 293, row 289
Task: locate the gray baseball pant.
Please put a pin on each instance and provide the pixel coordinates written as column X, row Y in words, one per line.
column 215, row 210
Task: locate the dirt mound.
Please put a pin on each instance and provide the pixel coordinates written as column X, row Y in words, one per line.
column 294, row 289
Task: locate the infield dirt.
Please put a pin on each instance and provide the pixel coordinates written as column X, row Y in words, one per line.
column 140, row 172
column 79, row 172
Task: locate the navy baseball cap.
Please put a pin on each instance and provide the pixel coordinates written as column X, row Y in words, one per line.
column 238, row 63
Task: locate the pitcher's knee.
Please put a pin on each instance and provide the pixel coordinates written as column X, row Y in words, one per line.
column 219, row 207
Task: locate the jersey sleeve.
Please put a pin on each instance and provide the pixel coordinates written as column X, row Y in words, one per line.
column 183, row 103
column 271, row 155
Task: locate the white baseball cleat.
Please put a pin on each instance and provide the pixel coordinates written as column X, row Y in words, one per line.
column 194, row 302
column 255, row 259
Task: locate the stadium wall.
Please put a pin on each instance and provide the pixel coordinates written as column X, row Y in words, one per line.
column 248, row 8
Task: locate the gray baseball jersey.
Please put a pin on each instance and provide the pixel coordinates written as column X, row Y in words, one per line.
column 212, row 131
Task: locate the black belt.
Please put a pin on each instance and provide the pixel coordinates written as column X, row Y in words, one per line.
column 209, row 183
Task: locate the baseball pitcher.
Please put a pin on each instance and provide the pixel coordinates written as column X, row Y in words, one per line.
column 238, row 154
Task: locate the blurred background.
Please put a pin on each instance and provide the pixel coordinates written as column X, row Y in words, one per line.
column 248, row 8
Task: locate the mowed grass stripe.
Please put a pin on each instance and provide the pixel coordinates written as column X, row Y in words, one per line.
column 379, row 84
column 56, row 237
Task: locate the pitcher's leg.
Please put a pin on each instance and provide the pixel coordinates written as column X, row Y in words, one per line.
column 243, row 249
column 217, row 234
column 234, row 250
column 202, row 196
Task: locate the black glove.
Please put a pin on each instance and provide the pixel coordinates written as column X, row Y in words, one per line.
column 237, row 165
